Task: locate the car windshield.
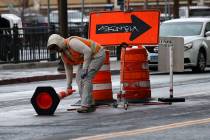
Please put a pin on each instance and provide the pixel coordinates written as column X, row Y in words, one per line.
column 72, row 15
column 75, row 15
column 181, row 29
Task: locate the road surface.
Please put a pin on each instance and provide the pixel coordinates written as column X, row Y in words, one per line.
column 189, row 120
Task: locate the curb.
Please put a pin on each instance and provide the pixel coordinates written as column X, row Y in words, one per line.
column 43, row 64
column 32, row 79
column 41, row 78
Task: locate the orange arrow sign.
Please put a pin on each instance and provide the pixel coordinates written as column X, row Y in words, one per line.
column 134, row 28
column 137, row 27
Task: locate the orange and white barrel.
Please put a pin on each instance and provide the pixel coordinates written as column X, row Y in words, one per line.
column 134, row 75
column 102, row 84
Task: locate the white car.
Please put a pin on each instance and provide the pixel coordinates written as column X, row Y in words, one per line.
column 74, row 17
column 196, row 34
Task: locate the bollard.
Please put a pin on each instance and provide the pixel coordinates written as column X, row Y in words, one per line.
column 45, row 100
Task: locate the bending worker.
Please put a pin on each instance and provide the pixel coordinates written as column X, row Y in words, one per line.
column 88, row 55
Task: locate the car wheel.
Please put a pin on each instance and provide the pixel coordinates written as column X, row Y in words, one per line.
column 201, row 63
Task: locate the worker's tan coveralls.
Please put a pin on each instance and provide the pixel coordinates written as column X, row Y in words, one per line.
column 90, row 57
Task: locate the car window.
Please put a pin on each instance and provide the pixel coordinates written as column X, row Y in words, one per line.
column 207, row 27
column 75, row 15
column 199, row 12
column 181, row 29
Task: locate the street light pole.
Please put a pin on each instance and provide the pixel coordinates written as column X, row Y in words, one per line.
column 145, row 4
column 176, row 9
column 62, row 10
column 48, row 12
column 82, row 25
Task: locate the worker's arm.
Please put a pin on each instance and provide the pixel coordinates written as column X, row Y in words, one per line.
column 82, row 48
column 69, row 75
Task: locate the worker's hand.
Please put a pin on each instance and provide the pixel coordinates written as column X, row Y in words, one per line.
column 69, row 91
column 63, row 94
column 84, row 73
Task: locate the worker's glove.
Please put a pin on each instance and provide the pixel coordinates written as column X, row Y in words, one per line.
column 84, row 73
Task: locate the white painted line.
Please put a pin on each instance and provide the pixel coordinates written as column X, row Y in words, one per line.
column 145, row 130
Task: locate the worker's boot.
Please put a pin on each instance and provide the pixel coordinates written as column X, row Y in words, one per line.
column 85, row 109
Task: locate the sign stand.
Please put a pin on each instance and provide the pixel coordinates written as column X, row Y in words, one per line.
column 171, row 71
column 171, row 98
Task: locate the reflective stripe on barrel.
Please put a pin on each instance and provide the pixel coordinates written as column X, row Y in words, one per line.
column 132, row 66
column 104, row 86
column 137, row 84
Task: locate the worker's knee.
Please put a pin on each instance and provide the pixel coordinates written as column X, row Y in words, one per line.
column 91, row 72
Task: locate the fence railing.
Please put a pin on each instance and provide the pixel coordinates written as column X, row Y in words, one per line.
column 23, row 44
column 28, row 44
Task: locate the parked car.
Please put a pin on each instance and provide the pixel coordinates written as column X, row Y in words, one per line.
column 32, row 19
column 74, row 20
column 194, row 11
column 196, row 34
column 7, row 22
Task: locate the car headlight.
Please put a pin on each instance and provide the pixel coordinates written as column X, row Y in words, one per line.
column 155, row 50
column 188, row 46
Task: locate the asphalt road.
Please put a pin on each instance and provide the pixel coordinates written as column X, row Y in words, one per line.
column 189, row 120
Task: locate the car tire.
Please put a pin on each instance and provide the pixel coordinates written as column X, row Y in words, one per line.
column 201, row 63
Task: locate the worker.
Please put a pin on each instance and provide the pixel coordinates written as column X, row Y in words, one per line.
column 88, row 55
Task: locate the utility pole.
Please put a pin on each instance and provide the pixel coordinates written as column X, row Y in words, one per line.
column 24, row 4
column 189, row 2
column 157, row 4
column 109, row 1
column 48, row 12
column 145, row 4
column 176, row 9
column 82, row 22
column 62, row 10
column 121, row 3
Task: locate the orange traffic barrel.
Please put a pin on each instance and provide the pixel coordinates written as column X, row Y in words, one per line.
column 102, row 84
column 134, row 75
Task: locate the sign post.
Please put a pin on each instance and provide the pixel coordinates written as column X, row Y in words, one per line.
column 171, row 70
column 164, row 54
column 169, row 42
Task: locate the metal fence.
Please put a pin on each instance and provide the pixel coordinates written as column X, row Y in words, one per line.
column 24, row 44
column 28, row 44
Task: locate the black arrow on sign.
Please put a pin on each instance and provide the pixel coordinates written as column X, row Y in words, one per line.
column 137, row 27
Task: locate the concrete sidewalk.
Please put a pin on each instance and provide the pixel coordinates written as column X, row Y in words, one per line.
column 39, row 71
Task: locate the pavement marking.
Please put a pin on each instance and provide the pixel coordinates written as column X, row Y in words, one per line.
column 144, row 130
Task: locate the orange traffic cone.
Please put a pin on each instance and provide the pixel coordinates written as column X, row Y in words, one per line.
column 102, row 84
